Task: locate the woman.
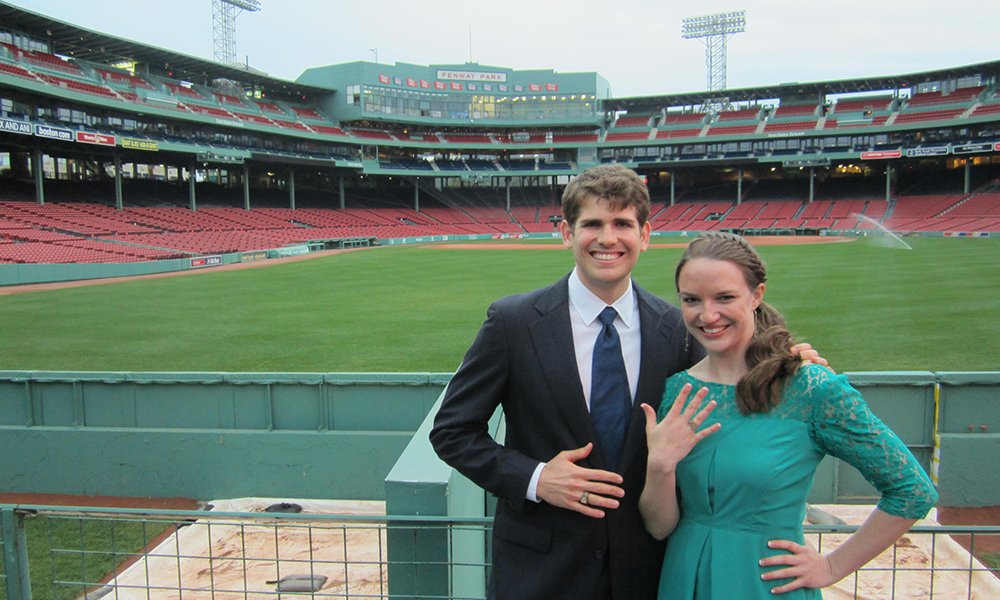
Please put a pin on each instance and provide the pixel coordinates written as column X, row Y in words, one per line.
column 727, row 481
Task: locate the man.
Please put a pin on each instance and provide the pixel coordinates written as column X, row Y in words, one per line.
column 567, row 520
column 533, row 355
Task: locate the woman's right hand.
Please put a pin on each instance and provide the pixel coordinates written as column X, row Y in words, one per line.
column 672, row 439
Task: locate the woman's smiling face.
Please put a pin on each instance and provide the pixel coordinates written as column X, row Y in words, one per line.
column 718, row 304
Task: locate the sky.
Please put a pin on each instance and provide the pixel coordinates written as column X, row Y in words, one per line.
column 635, row 45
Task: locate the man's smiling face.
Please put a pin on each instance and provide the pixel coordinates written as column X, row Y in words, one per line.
column 606, row 244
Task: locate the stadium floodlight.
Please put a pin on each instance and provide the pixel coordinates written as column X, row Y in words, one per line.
column 715, row 29
column 224, row 13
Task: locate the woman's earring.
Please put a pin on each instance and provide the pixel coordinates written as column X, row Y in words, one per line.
column 755, row 332
column 687, row 342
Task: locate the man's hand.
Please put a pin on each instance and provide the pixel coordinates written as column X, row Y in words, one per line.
column 563, row 484
column 808, row 355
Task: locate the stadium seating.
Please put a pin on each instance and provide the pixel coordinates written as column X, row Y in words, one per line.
column 324, row 129
column 180, row 90
column 860, row 105
column 794, row 110
column 928, row 115
column 985, row 109
column 958, row 96
column 618, row 136
column 632, row 121
column 17, row 70
column 925, row 206
column 682, row 119
column 308, row 113
column 78, row 86
column 979, row 205
column 123, row 79
column 788, row 126
column 732, row 130
column 49, row 61
column 739, row 115
column 677, row 133
column 270, row 108
column 574, row 138
column 370, row 134
column 465, row 138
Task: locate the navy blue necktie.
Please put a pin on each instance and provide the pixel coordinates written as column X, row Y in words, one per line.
column 610, row 398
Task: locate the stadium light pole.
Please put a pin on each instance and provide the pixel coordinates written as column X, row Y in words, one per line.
column 224, row 13
column 715, row 30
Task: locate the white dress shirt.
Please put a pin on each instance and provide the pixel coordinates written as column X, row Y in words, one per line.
column 584, row 308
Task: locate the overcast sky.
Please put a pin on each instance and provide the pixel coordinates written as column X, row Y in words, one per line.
column 635, row 45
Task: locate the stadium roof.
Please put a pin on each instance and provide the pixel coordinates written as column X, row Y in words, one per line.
column 767, row 92
column 76, row 42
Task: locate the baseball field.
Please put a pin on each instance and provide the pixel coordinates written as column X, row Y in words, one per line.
column 865, row 304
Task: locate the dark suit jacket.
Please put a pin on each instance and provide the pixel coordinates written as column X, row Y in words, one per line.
column 524, row 358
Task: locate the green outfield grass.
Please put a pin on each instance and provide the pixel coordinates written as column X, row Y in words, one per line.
column 417, row 309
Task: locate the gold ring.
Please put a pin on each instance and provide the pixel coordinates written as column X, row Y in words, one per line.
column 584, row 498
column 694, row 426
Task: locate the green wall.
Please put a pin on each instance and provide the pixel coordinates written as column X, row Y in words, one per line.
column 208, row 435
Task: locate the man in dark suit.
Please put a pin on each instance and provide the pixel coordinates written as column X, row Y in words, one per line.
column 567, row 522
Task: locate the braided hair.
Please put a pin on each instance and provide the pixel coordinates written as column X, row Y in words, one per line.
column 768, row 357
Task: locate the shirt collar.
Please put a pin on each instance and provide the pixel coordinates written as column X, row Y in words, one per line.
column 589, row 306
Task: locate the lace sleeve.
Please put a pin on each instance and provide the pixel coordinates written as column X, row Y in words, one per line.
column 842, row 425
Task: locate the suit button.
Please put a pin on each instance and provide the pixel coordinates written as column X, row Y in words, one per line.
column 599, row 554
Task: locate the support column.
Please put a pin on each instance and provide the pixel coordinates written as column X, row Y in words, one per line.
column 739, row 186
column 246, row 187
column 812, row 184
column 343, row 199
column 119, row 204
column 416, row 194
column 508, row 194
column 968, row 176
column 673, row 197
column 291, row 188
column 15, row 555
column 888, row 182
column 39, row 172
column 191, row 182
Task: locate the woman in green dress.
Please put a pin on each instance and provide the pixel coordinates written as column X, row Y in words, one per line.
column 730, row 467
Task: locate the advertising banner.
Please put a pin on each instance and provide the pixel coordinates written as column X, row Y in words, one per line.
column 881, row 154
column 136, row 144
column 206, row 261
column 54, row 133
column 88, row 137
column 14, row 126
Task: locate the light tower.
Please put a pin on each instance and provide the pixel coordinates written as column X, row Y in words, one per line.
column 715, row 29
column 224, row 13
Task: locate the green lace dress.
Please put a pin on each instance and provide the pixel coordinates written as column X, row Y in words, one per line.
column 747, row 483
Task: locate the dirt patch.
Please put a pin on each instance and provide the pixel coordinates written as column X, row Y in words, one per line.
column 980, row 516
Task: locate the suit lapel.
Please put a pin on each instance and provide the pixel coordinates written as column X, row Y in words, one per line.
column 552, row 337
column 654, row 359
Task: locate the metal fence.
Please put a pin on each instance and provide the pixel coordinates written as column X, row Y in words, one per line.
column 77, row 553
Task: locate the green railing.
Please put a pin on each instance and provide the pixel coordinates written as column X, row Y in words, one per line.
column 66, row 553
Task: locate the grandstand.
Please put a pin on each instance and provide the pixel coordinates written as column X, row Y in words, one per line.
column 108, row 156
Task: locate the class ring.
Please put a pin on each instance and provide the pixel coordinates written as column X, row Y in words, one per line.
column 584, row 498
